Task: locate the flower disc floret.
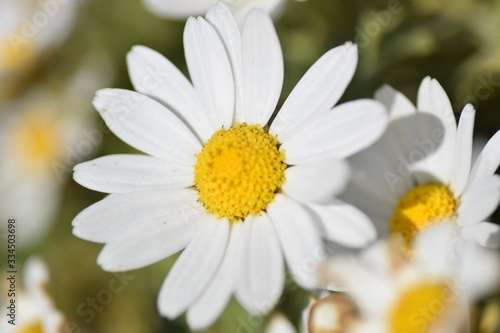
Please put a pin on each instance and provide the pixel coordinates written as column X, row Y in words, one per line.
column 239, row 171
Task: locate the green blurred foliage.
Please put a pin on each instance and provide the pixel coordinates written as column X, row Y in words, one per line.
column 401, row 42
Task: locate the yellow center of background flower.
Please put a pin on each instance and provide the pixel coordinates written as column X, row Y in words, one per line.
column 17, row 52
column 419, row 307
column 37, row 141
column 33, row 328
column 239, row 171
column 423, row 206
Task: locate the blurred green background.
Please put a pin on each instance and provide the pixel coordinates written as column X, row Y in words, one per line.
column 401, row 42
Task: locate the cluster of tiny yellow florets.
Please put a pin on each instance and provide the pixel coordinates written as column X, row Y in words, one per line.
column 415, row 309
column 423, row 206
column 239, row 171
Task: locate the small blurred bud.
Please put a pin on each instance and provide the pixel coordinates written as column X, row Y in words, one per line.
column 332, row 314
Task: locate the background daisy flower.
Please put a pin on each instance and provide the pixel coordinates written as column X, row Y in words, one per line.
column 240, row 197
column 419, row 172
column 29, row 31
column 43, row 134
column 35, row 309
column 428, row 294
column 182, row 9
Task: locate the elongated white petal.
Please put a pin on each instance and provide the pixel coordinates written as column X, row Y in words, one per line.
column 178, row 8
column 433, row 250
column 210, row 71
column 299, row 237
column 114, row 215
column 479, row 201
column 147, row 125
column 485, row 234
column 224, row 22
column 373, row 292
column 345, row 224
column 338, row 133
column 154, row 75
column 144, row 245
column 463, row 151
column 480, row 271
column 262, row 69
column 194, row 269
column 214, row 299
column 128, row 173
column 397, row 104
column 487, row 161
column 262, row 279
column 316, row 181
column 432, row 99
column 318, row 90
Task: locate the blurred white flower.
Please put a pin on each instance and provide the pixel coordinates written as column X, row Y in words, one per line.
column 182, row 9
column 35, row 309
column 29, row 31
column 42, row 136
column 419, row 172
column 237, row 194
column 429, row 294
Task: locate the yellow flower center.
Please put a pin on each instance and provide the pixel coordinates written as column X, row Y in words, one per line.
column 32, row 328
column 239, row 171
column 36, row 141
column 17, row 52
column 419, row 307
column 423, row 206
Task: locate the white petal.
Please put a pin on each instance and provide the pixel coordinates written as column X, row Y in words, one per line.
column 210, row 71
column 299, row 237
column 114, row 215
column 262, row 69
column 372, row 292
column 486, row 234
column 487, row 161
column 272, row 7
column 318, row 90
column 432, row 99
column 397, row 104
column 480, row 271
column 338, row 133
column 224, row 22
column 316, row 181
column 214, row 299
column 147, row 125
column 178, row 9
column 154, row 75
column 144, row 245
column 262, row 279
column 194, row 269
column 432, row 249
column 463, row 151
column 128, row 173
column 345, row 224
column 479, row 201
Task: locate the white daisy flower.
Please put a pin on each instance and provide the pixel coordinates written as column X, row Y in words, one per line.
column 419, row 172
column 182, row 9
column 34, row 307
column 429, row 294
column 29, row 30
column 237, row 194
